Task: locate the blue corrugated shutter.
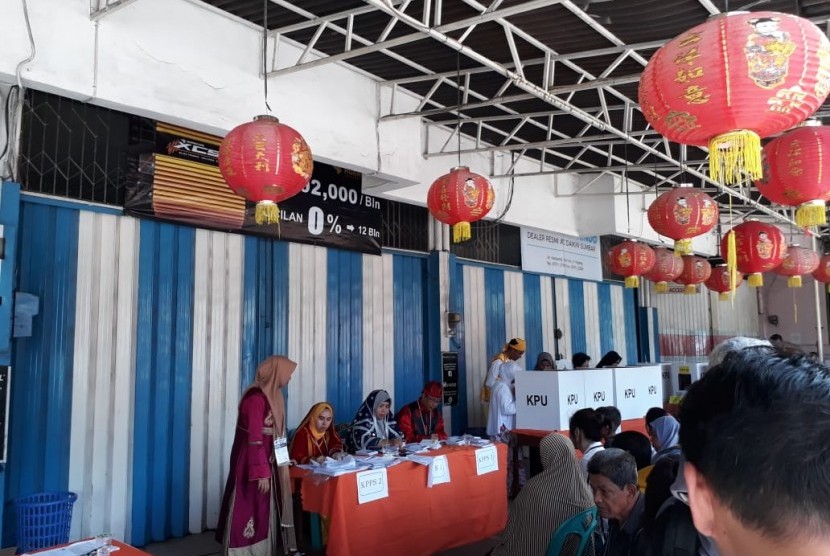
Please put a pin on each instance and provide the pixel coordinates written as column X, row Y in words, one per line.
column 494, row 310
column 631, row 332
column 344, row 334
column 606, row 320
column 164, row 339
column 408, row 291
column 576, row 297
column 459, row 411
column 533, row 318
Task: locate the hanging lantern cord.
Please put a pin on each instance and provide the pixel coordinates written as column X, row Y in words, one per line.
column 625, row 178
column 265, row 52
column 458, row 99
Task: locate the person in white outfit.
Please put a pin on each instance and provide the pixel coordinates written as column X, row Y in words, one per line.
column 501, row 419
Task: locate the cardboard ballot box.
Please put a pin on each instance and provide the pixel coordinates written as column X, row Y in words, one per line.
column 636, row 389
column 599, row 387
column 545, row 400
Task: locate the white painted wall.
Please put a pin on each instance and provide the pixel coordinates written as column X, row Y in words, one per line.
column 796, row 312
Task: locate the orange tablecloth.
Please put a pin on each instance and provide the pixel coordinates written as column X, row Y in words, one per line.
column 125, row 549
column 414, row 520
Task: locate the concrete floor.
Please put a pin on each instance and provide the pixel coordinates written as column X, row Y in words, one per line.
column 204, row 545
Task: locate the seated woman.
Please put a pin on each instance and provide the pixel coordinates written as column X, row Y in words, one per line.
column 544, row 362
column 315, row 438
column 373, row 428
column 610, row 359
column 547, row 501
column 665, row 437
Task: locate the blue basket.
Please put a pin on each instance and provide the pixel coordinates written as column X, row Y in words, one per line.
column 43, row 519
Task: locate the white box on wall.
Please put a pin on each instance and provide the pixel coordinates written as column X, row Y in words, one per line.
column 546, row 400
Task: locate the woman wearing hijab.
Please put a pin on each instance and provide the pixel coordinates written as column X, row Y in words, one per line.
column 373, row 427
column 610, row 359
column 544, row 362
column 315, row 437
column 665, row 437
column 547, row 501
column 257, row 485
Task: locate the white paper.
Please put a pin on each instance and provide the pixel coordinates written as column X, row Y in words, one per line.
column 487, row 460
column 439, row 471
column 81, row 548
column 420, row 460
column 372, row 485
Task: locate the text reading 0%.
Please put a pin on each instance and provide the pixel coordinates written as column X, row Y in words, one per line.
column 318, row 221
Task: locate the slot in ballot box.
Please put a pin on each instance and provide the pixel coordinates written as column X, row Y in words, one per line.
column 684, row 373
column 546, row 400
column 636, row 389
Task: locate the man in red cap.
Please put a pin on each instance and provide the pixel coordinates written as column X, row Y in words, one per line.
column 421, row 419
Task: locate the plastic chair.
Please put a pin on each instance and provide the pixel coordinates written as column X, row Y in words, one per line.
column 43, row 519
column 581, row 525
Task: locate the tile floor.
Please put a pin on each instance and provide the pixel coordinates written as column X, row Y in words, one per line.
column 204, row 545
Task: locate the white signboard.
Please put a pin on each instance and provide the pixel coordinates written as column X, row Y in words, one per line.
column 551, row 253
column 546, row 400
column 487, row 460
column 372, row 485
column 439, row 471
column 599, row 387
column 636, row 389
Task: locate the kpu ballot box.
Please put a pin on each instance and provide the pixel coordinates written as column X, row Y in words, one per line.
column 599, row 387
column 636, row 389
column 545, row 400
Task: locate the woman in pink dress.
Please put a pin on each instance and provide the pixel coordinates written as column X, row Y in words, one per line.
column 257, row 516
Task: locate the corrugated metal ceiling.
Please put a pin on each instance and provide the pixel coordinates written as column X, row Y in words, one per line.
column 596, row 49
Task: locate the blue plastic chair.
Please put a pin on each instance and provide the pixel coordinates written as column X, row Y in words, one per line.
column 581, row 525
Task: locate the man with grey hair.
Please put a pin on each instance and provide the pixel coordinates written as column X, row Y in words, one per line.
column 612, row 475
column 733, row 345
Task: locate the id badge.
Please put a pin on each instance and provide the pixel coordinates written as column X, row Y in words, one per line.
column 281, row 451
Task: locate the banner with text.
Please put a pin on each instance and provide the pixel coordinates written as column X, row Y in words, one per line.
column 562, row 255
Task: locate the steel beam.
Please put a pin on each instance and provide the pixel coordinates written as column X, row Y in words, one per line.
column 102, row 8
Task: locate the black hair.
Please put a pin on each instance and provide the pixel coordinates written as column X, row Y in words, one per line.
column 776, row 338
column 589, row 422
column 611, row 419
column 616, row 465
column 578, row 359
column 609, row 359
column 736, row 428
column 658, row 489
column 655, row 413
column 635, row 443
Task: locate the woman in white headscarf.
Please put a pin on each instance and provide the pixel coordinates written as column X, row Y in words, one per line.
column 548, row 500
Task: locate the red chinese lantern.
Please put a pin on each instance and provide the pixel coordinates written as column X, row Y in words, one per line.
column 459, row 198
column 822, row 272
column 696, row 270
column 682, row 214
column 734, row 79
column 631, row 259
column 797, row 262
column 759, row 248
column 719, row 281
column 796, row 173
column 266, row 162
column 667, row 267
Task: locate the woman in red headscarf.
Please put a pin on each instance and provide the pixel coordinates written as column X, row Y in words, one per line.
column 315, row 437
column 421, row 419
column 257, row 485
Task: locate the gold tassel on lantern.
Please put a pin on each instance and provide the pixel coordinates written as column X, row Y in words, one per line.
column 794, row 282
column 689, row 289
column 732, row 259
column 632, row 282
column 723, row 296
column 661, row 287
column 812, row 213
column 683, row 247
column 734, row 156
column 267, row 212
column 461, row 232
column 756, row 280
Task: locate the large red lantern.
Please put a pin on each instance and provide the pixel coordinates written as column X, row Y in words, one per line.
column 696, row 270
column 718, row 281
column 796, row 173
column 822, row 271
column 759, row 248
column 667, row 267
column 266, row 162
column 682, row 214
column 797, row 262
column 631, row 259
column 459, row 198
column 734, row 79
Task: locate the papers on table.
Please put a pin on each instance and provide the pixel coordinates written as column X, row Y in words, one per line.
column 81, row 548
column 334, row 468
column 467, row 440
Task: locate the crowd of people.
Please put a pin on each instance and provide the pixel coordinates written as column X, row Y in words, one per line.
column 735, row 473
